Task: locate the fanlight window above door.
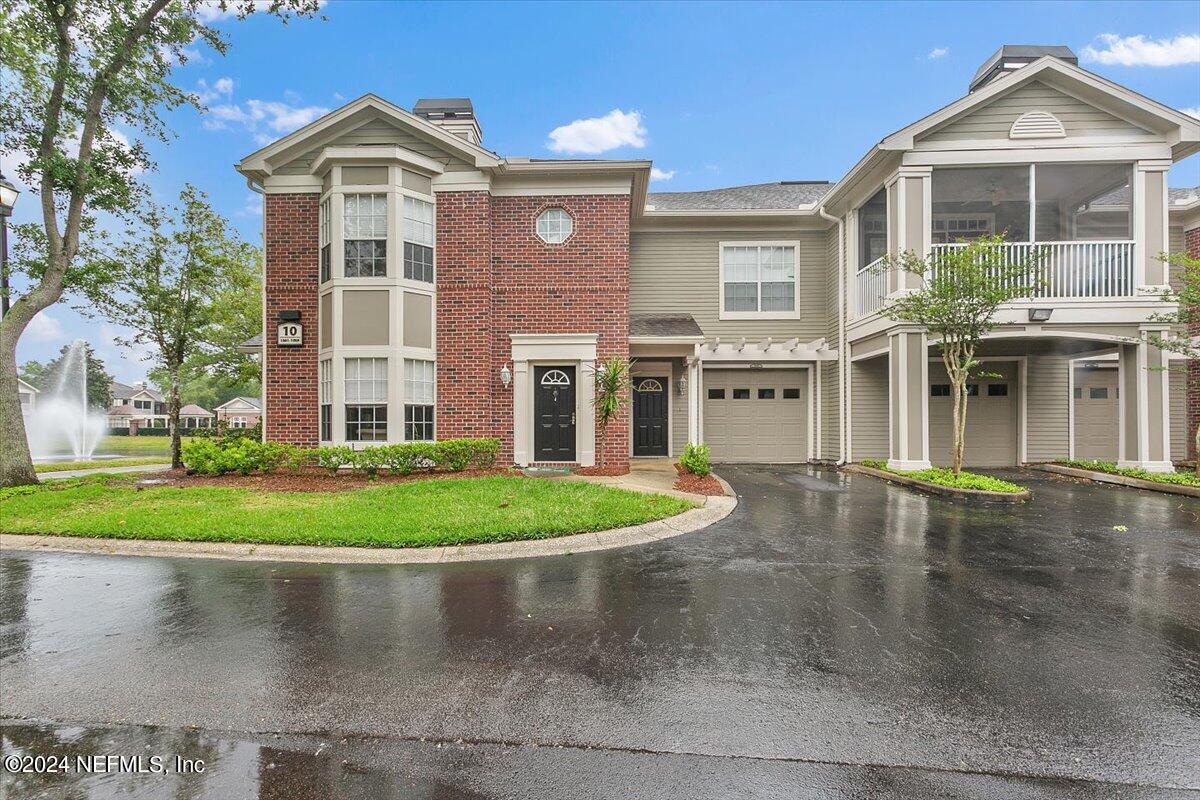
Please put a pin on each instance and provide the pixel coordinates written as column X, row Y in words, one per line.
column 649, row 385
column 556, row 377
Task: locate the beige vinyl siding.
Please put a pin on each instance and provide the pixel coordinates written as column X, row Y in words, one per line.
column 679, row 271
column 374, row 132
column 1048, row 401
column 869, row 407
column 1178, row 407
column 994, row 120
column 1175, row 244
column 830, row 398
column 679, row 410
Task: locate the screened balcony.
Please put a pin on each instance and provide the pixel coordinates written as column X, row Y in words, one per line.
column 1077, row 218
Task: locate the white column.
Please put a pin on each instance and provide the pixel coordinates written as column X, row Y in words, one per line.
column 693, row 398
column 908, row 399
column 1144, row 431
column 522, row 394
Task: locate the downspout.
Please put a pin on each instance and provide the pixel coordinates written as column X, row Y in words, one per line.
column 258, row 189
column 841, row 331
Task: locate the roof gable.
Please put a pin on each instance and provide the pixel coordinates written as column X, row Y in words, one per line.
column 367, row 109
column 1087, row 91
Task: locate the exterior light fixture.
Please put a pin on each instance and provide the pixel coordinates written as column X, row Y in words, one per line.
column 682, row 385
column 505, row 375
column 1040, row 314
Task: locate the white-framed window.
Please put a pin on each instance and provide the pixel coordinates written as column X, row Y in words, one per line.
column 419, row 382
column 325, row 393
column 418, row 240
column 758, row 280
column 366, row 399
column 364, row 233
column 325, row 242
column 554, row 226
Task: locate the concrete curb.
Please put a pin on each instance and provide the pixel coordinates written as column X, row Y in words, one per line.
column 714, row 509
column 1119, row 480
column 975, row 495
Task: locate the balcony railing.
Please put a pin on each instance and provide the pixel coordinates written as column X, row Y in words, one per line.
column 1071, row 269
column 871, row 287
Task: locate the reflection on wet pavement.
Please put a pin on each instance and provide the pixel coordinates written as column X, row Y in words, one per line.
column 834, row 636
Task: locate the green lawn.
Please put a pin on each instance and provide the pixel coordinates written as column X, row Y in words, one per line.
column 413, row 514
column 135, row 445
column 60, row 466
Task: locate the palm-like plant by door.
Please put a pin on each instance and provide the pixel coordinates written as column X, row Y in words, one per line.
column 612, row 394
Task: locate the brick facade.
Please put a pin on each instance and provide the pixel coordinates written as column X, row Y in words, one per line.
column 290, row 373
column 496, row 278
column 1192, row 241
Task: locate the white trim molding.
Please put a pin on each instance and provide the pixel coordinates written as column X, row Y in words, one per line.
column 571, row 349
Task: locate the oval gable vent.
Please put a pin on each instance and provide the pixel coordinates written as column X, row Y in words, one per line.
column 1037, row 125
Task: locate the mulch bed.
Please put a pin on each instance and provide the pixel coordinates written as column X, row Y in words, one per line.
column 314, row 480
column 708, row 485
column 601, row 472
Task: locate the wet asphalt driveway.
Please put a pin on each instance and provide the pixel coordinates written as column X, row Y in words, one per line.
column 834, row 637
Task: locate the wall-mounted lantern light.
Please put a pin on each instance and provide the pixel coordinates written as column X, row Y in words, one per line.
column 505, row 375
column 682, row 385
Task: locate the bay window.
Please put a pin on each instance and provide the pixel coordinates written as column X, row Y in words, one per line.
column 325, row 243
column 325, row 397
column 418, row 400
column 418, row 240
column 366, row 384
column 364, row 232
column 758, row 280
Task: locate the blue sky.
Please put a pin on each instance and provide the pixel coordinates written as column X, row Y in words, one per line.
column 724, row 94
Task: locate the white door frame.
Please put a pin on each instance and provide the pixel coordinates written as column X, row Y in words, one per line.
column 655, row 369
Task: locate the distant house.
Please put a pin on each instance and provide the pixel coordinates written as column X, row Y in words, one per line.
column 136, row 406
column 193, row 416
column 28, row 395
column 240, row 412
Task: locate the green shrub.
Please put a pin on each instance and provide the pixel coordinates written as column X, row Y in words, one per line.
column 874, row 463
column 334, row 458
column 945, row 477
column 695, row 459
column 1175, row 478
column 242, row 454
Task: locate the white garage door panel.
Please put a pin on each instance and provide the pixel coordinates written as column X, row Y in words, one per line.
column 756, row 429
column 991, row 420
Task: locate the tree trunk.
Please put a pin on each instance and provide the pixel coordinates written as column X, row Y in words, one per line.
column 173, row 419
column 16, row 466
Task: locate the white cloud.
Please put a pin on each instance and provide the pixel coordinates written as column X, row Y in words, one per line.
column 221, row 87
column 44, row 328
column 657, row 174
column 1192, row 112
column 266, row 119
column 938, row 52
column 1138, row 51
column 599, row 134
column 252, row 206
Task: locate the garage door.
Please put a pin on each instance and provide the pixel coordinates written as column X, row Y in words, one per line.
column 756, row 416
column 991, row 417
column 1095, row 400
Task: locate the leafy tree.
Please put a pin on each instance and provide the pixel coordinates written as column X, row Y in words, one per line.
column 1184, row 335
column 960, row 290
column 203, row 386
column 75, row 73
column 172, row 266
column 99, row 382
column 612, row 394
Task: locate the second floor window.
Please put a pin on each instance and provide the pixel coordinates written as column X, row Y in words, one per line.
column 326, row 247
column 418, row 240
column 758, row 279
column 364, row 231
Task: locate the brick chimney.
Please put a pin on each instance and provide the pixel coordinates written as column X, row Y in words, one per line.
column 455, row 114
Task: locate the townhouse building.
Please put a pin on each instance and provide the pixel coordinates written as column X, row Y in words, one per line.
column 420, row 286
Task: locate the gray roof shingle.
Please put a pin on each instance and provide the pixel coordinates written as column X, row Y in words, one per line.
column 663, row 325
column 782, row 195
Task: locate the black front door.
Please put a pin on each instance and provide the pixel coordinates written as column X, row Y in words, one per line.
column 554, row 413
column 650, row 416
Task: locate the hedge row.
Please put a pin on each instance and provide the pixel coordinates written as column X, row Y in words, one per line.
column 244, row 456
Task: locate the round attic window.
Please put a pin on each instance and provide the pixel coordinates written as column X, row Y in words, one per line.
column 554, row 226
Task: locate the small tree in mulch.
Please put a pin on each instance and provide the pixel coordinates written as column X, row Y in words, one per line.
column 961, row 289
column 612, row 394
